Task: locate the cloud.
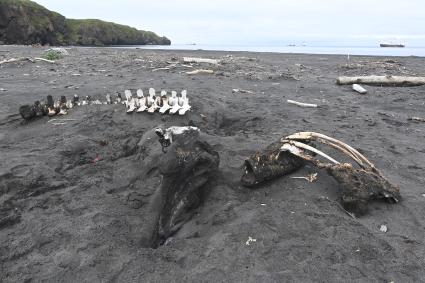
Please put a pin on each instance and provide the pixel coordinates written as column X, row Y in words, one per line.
column 237, row 21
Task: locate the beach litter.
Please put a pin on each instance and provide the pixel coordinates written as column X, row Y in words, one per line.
column 250, row 240
column 358, row 88
column 383, row 228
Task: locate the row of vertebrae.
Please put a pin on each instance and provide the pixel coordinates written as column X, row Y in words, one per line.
column 162, row 103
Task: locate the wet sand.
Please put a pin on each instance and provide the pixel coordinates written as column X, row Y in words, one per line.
column 73, row 201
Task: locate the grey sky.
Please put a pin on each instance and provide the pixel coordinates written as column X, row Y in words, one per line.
column 265, row 21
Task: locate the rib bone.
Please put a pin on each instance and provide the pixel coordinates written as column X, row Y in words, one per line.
column 345, row 148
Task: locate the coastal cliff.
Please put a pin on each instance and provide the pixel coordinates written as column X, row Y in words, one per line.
column 26, row 22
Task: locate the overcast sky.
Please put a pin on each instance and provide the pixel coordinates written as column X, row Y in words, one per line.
column 262, row 21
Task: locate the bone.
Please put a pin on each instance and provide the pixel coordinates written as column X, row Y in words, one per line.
column 165, row 105
column 320, row 137
column 306, row 147
column 184, row 102
column 176, row 105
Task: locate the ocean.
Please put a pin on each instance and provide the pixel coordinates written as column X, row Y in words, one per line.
column 342, row 50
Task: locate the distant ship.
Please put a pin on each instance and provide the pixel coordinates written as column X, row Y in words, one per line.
column 399, row 45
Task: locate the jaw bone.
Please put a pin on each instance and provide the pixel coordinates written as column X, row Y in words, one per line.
column 358, row 185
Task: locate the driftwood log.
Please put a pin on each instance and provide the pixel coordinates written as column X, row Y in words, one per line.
column 200, row 60
column 382, row 80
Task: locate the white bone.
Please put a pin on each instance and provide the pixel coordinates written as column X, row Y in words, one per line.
column 176, row 105
column 69, row 104
column 310, row 148
column 131, row 105
column 155, row 104
column 142, row 105
column 151, row 91
column 173, row 131
column 353, row 153
column 128, row 94
column 108, row 99
column 184, row 103
column 165, row 106
column 62, row 111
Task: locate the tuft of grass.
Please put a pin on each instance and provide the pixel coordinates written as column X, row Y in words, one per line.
column 52, row 55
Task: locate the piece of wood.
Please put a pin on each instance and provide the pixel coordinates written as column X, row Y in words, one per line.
column 416, row 119
column 359, row 89
column 236, row 90
column 382, row 80
column 301, row 104
column 200, row 71
column 11, row 60
column 44, row 60
column 200, row 60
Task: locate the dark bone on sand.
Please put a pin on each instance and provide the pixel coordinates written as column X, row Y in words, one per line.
column 359, row 186
column 269, row 164
column 186, row 168
column 27, row 112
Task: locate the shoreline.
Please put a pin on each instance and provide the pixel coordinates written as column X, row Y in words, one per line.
column 286, row 50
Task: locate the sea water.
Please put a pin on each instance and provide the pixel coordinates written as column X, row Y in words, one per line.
column 342, row 50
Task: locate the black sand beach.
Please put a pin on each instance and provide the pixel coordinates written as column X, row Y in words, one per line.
column 73, row 199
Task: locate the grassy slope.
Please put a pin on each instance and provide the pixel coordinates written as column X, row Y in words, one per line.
column 79, row 32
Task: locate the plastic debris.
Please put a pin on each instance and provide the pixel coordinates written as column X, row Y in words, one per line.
column 250, row 240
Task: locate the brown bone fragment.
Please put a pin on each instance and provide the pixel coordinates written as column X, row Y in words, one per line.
column 269, row 164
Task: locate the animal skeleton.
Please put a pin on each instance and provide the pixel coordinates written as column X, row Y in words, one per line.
column 358, row 185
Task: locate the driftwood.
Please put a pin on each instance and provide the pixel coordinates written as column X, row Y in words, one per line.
column 382, row 80
column 200, row 60
column 32, row 60
column 200, row 71
column 238, row 90
column 416, row 119
column 301, row 104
